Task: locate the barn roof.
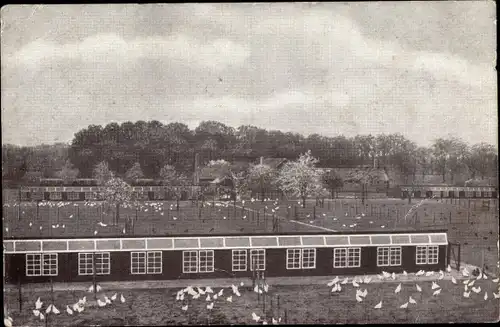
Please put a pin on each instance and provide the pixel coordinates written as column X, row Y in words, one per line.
column 346, row 173
column 274, row 163
column 213, row 172
column 225, row 242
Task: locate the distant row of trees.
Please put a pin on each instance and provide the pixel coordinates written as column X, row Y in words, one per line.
column 151, row 145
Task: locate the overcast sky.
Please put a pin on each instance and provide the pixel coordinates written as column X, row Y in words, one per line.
column 425, row 70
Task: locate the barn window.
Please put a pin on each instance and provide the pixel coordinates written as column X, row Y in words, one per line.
column 158, row 195
column 190, row 261
column 37, row 195
column 146, row 262
column 258, row 259
column 389, row 256
column 300, row 258
column 86, row 263
column 206, row 261
column 154, row 262
column 346, row 257
column 198, row 261
column 427, row 255
column 293, row 258
column 239, row 260
column 73, row 196
column 138, row 263
column 89, row 196
column 41, row 264
column 55, row 196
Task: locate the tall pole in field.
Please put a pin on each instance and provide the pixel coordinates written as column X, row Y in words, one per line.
column 94, row 282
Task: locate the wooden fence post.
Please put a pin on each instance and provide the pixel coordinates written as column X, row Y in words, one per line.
column 94, row 282
column 278, row 305
column 264, row 304
column 20, row 296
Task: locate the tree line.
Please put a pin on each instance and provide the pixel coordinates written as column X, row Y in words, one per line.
column 150, row 146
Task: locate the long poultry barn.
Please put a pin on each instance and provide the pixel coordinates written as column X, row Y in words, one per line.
column 223, row 256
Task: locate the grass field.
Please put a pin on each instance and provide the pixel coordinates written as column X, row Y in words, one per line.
column 468, row 222
column 297, row 305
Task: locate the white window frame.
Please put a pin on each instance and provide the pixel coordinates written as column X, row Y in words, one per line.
column 89, row 195
column 33, row 264
column 158, row 195
column 74, row 196
column 239, row 260
column 421, row 255
column 427, row 255
column 154, row 262
column 432, row 254
column 42, row 264
column 102, row 264
column 293, row 259
column 391, row 256
column 55, row 195
column 189, row 262
column 260, row 259
column 208, row 256
column 347, row 257
column 138, row 263
column 308, row 264
column 297, row 258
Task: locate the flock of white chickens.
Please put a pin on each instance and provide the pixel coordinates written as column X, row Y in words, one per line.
column 211, row 297
column 229, row 295
column 435, row 287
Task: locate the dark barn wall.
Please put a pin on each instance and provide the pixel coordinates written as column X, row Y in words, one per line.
column 15, row 269
column 276, row 264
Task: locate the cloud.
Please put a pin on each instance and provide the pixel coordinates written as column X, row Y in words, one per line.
column 110, row 48
column 334, row 39
column 297, row 67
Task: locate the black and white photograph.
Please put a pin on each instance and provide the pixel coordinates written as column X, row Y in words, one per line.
column 269, row 163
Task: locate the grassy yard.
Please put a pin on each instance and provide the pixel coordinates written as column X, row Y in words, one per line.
column 298, row 305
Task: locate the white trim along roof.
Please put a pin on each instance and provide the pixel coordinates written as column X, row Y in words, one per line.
column 220, row 242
